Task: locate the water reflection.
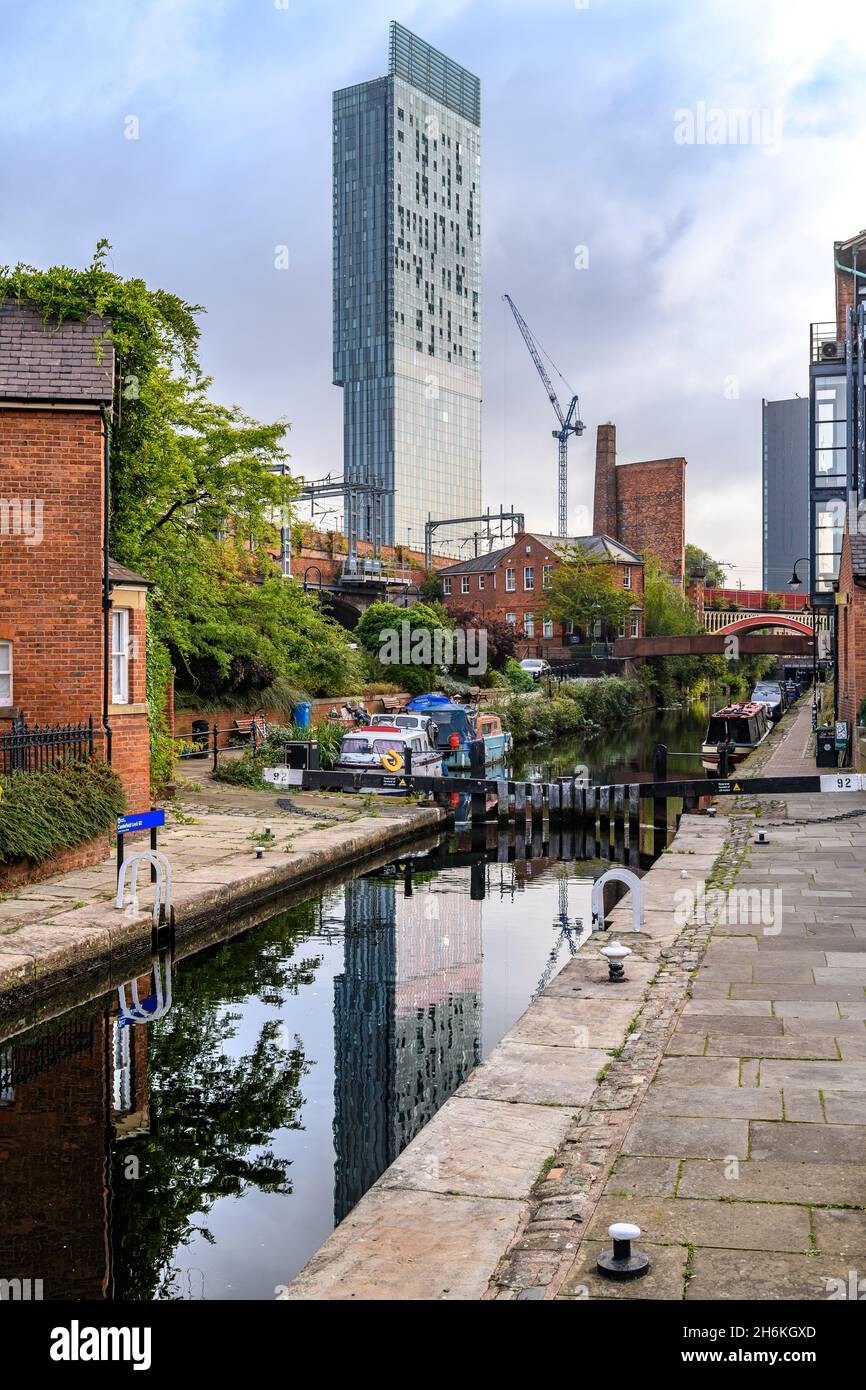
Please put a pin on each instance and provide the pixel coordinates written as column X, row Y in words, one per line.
column 207, row 1152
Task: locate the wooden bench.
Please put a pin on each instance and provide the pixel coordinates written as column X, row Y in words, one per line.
column 247, row 730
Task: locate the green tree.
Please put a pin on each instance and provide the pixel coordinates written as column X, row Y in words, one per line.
column 699, row 560
column 583, row 591
column 400, row 642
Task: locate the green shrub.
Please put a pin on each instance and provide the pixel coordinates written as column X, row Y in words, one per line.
column 246, row 771
column 517, row 678
column 57, row 808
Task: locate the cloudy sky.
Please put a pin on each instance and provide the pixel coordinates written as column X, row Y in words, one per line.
column 706, row 261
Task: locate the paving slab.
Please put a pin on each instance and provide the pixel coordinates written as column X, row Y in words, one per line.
column 842, row 1233
column 741, row 1274
column 699, row 1071
column 731, row 1102
column 406, row 1246
column 808, row 1143
column 561, row 1021
column 838, row 1076
column 480, row 1148
column 644, row 1177
column 727, row 1225
column 536, row 1074
column 768, row 1180
column 681, row 1136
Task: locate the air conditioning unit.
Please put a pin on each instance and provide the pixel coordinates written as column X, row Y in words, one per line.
column 832, row 352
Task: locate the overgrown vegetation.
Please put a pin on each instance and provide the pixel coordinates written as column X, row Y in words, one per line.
column 584, row 708
column 57, row 808
column 246, row 770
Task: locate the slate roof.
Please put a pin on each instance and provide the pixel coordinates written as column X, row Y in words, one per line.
column 119, row 574
column 858, row 555
column 44, row 362
column 603, row 546
column 479, row 564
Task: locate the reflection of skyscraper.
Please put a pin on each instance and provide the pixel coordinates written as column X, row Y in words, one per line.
column 407, row 1022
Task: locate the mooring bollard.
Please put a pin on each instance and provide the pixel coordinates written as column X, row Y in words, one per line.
column 616, row 956
column 622, row 1262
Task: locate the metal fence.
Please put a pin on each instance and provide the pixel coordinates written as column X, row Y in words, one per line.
column 27, row 749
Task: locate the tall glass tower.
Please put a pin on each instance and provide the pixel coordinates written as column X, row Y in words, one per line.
column 407, row 271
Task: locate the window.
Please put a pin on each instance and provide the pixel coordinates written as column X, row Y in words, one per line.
column 528, row 577
column 626, row 577
column 546, row 572
column 5, row 673
column 510, row 581
column 464, row 583
column 635, row 624
column 446, row 586
column 529, row 624
column 511, row 619
column 547, row 630
column 120, row 656
column 480, row 582
column 831, row 432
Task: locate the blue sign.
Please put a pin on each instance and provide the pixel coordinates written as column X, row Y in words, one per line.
column 146, row 820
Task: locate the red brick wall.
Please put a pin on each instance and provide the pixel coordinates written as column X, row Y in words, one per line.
column 650, row 510
column 51, row 592
column 494, row 601
column 845, row 296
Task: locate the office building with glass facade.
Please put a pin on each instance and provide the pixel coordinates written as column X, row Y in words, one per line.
column 407, row 271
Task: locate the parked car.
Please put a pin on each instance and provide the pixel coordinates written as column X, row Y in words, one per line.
column 535, row 667
column 772, row 694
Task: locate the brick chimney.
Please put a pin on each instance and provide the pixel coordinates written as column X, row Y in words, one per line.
column 604, row 508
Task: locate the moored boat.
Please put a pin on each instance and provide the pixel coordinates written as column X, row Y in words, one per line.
column 384, row 748
column 739, row 728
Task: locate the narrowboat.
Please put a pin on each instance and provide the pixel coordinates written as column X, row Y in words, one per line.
column 741, row 726
column 773, row 695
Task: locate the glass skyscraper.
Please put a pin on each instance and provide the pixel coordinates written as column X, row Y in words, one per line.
column 407, row 271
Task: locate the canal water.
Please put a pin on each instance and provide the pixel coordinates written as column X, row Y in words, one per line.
column 207, row 1153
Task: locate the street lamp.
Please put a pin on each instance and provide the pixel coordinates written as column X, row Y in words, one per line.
column 795, row 582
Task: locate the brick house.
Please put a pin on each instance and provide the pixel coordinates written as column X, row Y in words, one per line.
column 851, row 627
column 509, row 585
column 65, row 614
column 641, row 505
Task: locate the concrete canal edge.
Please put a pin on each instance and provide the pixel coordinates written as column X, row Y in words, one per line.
column 89, row 944
column 490, row 1199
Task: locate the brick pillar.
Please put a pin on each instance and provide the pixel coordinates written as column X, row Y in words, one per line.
column 604, row 509
column 696, row 593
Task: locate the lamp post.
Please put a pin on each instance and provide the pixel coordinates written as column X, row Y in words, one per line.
column 795, row 582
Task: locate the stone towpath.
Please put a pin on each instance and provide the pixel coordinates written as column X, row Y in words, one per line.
column 67, row 926
column 745, row 1163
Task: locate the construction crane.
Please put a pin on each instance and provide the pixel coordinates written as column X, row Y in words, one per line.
column 569, row 420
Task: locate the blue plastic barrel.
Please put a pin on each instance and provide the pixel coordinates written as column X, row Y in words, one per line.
column 301, row 715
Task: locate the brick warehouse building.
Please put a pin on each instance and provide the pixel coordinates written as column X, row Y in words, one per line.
column 56, row 386
column 509, row 586
column 641, row 505
column 851, row 628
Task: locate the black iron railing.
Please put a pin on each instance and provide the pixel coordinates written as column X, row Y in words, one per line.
column 27, row 749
